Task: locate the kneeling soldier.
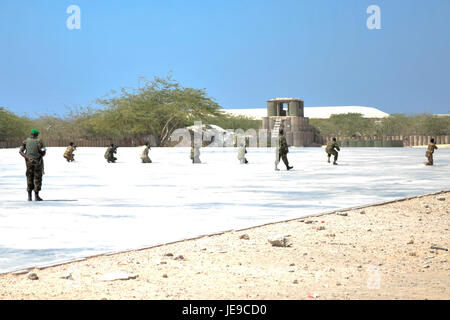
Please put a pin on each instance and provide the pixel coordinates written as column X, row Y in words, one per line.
column 144, row 155
column 68, row 154
column 109, row 154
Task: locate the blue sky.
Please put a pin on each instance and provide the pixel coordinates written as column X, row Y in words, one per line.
column 243, row 52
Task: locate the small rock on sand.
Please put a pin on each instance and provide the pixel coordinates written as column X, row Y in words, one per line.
column 441, row 198
column 180, row 257
column 32, row 276
column 244, row 237
column 118, row 276
column 280, row 241
column 67, row 276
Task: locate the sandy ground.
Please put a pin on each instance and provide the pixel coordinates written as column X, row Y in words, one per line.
column 379, row 252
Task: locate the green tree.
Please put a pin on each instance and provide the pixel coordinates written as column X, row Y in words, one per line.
column 13, row 127
column 157, row 109
column 351, row 124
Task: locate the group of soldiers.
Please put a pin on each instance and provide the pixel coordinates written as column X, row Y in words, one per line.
column 33, row 150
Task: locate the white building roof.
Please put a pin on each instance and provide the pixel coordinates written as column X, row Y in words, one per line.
column 316, row 112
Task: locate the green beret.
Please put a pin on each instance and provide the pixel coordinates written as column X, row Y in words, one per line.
column 35, row 131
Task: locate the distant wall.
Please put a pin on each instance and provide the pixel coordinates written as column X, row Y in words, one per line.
column 79, row 143
column 406, row 141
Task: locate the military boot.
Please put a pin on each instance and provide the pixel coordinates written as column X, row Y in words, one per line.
column 289, row 167
column 36, row 196
column 335, row 163
column 29, row 196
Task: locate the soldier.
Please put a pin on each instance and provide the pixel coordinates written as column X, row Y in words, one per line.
column 241, row 153
column 331, row 148
column 282, row 151
column 33, row 150
column 68, row 154
column 144, row 154
column 195, row 154
column 430, row 151
column 195, row 149
column 109, row 154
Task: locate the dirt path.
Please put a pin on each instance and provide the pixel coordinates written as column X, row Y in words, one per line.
column 380, row 252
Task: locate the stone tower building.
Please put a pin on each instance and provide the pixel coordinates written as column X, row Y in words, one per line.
column 296, row 127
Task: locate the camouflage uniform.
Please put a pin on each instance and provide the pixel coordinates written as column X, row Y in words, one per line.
column 241, row 154
column 283, row 150
column 35, row 168
column 195, row 154
column 144, row 155
column 429, row 154
column 330, row 150
column 109, row 154
column 68, row 154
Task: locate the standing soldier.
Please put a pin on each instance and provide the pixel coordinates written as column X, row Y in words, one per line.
column 241, row 153
column 144, row 154
column 109, row 154
column 33, row 150
column 282, row 151
column 195, row 154
column 195, row 149
column 68, row 154
column 332, row 146
column 430, row 151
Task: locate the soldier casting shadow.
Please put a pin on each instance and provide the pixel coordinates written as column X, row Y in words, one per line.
column 195, row 148
column 331, row 148
column 429, row 153
column 242, row 151
column 33, row 150
column 281, row 151
column 68, row 154
column 109, row 154
column 144, row 155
